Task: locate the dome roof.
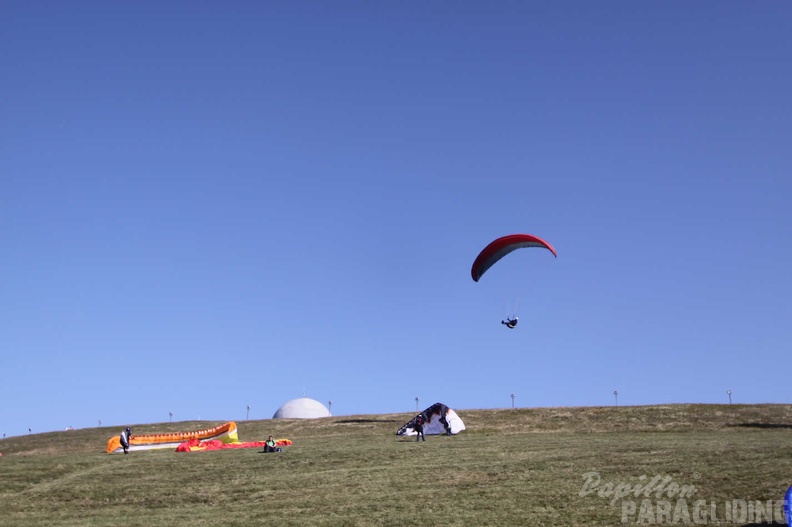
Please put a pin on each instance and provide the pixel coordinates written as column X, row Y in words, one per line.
column 302, row 408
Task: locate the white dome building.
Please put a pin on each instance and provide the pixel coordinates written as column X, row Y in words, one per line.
column 302, row 408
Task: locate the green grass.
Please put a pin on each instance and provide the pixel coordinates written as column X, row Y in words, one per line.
column 510, row 467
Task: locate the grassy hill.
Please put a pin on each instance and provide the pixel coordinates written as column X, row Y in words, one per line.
column 546, row 466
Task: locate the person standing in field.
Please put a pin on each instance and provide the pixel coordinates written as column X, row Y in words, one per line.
column 419, row 427
column 125, row 436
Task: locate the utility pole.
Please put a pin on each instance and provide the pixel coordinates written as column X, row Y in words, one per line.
column 513, row 396
column 616, row 397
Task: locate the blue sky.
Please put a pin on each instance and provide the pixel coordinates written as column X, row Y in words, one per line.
column 211, row 205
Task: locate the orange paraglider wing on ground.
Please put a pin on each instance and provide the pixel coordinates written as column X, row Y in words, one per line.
column 226, row 432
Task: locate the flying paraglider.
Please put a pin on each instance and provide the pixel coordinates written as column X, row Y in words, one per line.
column 499, row 248
column 503, row 246
column 510, row 323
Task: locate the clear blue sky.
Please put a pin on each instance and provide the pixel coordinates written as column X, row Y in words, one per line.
column 209, row 205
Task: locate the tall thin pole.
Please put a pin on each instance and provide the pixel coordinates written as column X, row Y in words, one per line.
column 170, row 417
column 729, row 392
column 513, row 396
column 416, row 403
column 247, row 417
column 616, row 397
column 330, row 406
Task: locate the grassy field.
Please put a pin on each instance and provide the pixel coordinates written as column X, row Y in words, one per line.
column 695, row 464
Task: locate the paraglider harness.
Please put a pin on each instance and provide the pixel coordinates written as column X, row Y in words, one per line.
column 419, row 427
column 510, row 323
column 419, row 421
column 125, row 435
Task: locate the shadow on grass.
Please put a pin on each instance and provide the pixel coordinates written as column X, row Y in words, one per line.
column 762, row 425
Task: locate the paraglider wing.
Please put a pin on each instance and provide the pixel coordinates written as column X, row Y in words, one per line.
column 503, row 246
column 437, row 419
column 226, row 432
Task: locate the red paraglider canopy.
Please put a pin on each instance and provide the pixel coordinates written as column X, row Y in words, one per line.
column 503, row 246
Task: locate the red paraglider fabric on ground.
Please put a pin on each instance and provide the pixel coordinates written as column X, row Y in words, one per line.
column 195, row 445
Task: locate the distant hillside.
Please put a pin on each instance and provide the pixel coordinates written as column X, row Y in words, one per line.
column 595, row 419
